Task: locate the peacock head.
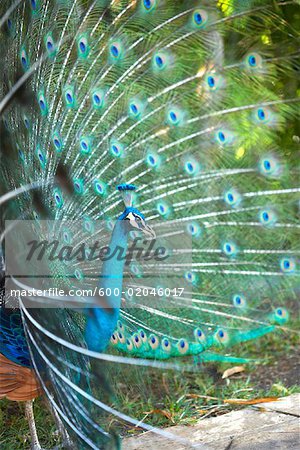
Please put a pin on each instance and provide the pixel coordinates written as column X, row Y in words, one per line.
column 135, row 220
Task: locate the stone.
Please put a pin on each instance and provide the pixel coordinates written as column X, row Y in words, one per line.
column 266, row 426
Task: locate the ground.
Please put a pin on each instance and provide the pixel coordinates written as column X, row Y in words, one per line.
column 180, row 400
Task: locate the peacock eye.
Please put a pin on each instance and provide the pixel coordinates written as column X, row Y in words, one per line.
column 200, row 18
column 57, row 141
column 261, row 114
column 143, row 335
column 116, row 51
column 221, row 136
column 230, row 249
column 166, row 345
column 232, row 198
column 24, row 59
column 85, row 143
column 182, row 346
column 222, row 336
column 253, row 61
column 82, row 46
column 58, row 198
column 98, row 96
column 116, row 148
column 99, row 187
column 191, row 167
column 42, row 157
column 287, row 265
column 175, row 116
column 153, row 341
column 66, row 237
column 49, row 43
column 26, row 123
column 199, row 335
column 78, row 274
column 213, row 82
column 239, row 300
column 264, row 116
column 163, row 209
column 149, row 5
column 136, row 340
column 136, row 108
column 267, row 217
column 153, row 160
column 270, row 166
column 136, row 270
column 88, row 225
column 194, row 229
column 190, row 277
column 78, row 186
column 114, row 338
column 129, row 344
column 224, row 137
column 69, row 96
column 121, row 337
column 281, row 313
column 161, row 61
column 280, row 316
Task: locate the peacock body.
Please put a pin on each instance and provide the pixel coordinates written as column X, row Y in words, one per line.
column 194, row 103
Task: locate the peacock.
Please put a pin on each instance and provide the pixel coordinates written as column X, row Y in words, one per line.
column 153, row 142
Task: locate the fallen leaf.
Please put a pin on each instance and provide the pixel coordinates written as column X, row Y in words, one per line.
column 207, row 397
column 233, row 370
column 163, row 412
column 254, row 401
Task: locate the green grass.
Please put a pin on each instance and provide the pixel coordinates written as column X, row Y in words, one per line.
column 14, row 434
column 168, row 398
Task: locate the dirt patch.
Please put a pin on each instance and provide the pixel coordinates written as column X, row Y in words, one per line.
column 285, row 370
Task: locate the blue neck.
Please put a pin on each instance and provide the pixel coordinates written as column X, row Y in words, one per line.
column 101, row 322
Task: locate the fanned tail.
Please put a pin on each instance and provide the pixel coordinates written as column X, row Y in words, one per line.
column 195, row 105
